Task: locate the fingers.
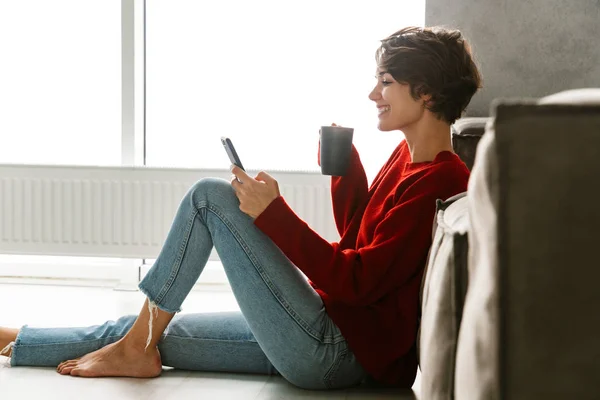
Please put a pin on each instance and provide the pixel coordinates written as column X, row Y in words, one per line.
column 264, row 177
column 244, row 177
column 239, row 173
column 235, row 183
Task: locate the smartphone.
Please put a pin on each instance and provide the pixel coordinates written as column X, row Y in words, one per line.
column 233, row 156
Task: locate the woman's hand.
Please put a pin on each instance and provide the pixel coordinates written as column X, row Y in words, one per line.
column 255, row 194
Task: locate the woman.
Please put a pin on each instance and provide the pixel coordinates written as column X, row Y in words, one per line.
column 357, row 317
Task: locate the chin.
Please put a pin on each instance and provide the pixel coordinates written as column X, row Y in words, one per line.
column 391, row 122
column 383, row 127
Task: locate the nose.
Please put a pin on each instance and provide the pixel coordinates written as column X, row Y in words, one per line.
column 375, row 94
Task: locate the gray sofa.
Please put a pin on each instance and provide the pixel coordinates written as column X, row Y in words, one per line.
column 511, row 297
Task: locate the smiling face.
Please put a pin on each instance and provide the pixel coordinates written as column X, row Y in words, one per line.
column 396, row 107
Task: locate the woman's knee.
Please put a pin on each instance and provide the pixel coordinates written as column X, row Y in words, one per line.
column 207, row 189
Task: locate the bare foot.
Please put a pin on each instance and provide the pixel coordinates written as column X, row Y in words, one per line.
column 116, row 359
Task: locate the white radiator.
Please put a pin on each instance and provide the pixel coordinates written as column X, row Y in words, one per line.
column 120, row 211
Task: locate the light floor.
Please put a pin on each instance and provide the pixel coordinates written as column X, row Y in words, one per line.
column 44, row 305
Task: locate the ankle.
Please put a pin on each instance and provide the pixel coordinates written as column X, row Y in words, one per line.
column 134, row 345
column 6, row 350
column 8, row 334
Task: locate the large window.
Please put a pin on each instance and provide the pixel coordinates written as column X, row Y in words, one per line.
column 267, row 73
column 60, row 82
column 60, row 103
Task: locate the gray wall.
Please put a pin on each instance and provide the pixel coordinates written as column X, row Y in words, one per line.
column 525, row 48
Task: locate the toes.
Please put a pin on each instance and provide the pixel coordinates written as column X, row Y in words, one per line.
column 62, row 364
column 66, row 367
column 82, row 372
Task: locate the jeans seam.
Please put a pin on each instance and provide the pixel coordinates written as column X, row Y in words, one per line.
column 177, row 265
column 170, row 336
column 291, row 312
column 71, row 342
column 327, row 379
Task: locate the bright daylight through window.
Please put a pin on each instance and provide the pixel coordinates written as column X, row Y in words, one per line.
column 266, row 73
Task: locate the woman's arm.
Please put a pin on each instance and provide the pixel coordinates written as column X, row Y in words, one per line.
column 348, row 192
column 360, row 277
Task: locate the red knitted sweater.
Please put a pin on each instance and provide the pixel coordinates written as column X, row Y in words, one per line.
column 370, row 280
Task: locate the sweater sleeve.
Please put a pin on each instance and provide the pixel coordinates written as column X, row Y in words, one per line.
column 348, row 192
column 360, row 277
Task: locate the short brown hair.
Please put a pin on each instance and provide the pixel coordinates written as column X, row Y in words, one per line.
column 432, row 61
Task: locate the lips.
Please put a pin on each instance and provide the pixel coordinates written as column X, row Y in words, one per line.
column 382, row 109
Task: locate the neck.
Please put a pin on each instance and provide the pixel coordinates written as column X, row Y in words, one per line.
column 427, row 137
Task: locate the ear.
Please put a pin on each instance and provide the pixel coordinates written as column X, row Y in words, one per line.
column 421, row 94
column 426, row 98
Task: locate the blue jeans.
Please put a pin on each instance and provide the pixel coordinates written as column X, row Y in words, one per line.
column 283, row 326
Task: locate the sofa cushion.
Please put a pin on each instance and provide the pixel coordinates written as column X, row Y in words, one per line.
column 443, row 293
column 575, row 96
column 466, row 133
column 477, row 348
column 530, row 324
